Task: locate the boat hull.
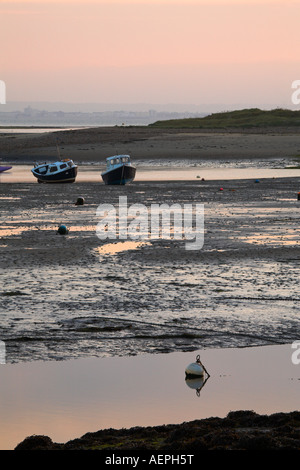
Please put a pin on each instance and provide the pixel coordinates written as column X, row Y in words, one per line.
column 119, row 176
column 66, row 176
column 4, row 168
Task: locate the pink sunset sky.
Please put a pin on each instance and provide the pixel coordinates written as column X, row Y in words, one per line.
column 158, row 51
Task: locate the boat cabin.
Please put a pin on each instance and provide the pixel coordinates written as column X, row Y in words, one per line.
column 42, row 169
column 117, row 160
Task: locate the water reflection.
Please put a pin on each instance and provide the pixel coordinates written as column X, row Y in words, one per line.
column 114, row 248
column 272, row 239
column 9, row 230
column 196, row 384
column 22, row 173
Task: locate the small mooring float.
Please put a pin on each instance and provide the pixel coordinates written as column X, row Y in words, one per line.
column 196, row 369
column 80, row 201
column 63, row 230
column 196, row 375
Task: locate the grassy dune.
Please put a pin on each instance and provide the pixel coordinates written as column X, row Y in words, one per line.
column 245, row 118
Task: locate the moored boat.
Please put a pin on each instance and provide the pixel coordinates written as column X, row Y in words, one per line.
column 119, row 170
column 4, row 168
column 63, row 171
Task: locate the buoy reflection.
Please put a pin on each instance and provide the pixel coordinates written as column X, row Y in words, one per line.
column 196, row 384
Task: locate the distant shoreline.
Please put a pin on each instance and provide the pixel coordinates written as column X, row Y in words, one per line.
column 33, row 127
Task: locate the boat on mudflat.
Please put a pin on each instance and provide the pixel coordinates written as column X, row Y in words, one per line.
column 63, row 171
column 119, row 170
column 4, row 168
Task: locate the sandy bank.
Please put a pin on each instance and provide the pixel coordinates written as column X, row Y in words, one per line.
column 95, row 144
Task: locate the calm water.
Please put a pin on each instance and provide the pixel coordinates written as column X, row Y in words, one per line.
column 66, row 399
column 171, row 171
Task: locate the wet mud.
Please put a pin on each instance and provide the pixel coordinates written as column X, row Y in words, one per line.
column 74, row 295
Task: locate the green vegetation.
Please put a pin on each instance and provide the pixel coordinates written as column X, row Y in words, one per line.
column 236, row 119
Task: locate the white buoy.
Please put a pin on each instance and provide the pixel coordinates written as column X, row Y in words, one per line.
column 196, row 369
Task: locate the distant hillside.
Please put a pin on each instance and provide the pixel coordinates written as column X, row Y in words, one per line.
column 243, row 118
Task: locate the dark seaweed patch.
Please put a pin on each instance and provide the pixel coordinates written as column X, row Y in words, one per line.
column 13, row 292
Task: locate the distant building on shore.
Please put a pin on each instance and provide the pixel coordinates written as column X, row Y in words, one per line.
column 35, row 117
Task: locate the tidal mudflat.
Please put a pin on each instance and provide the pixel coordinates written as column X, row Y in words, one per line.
column 77, row 298
column 64, row 297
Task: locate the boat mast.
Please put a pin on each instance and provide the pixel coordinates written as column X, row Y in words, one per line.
column 58, row 152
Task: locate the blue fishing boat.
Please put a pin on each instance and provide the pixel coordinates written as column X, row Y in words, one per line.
column 4, row 168
column 119, row 170
column 63, row 171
